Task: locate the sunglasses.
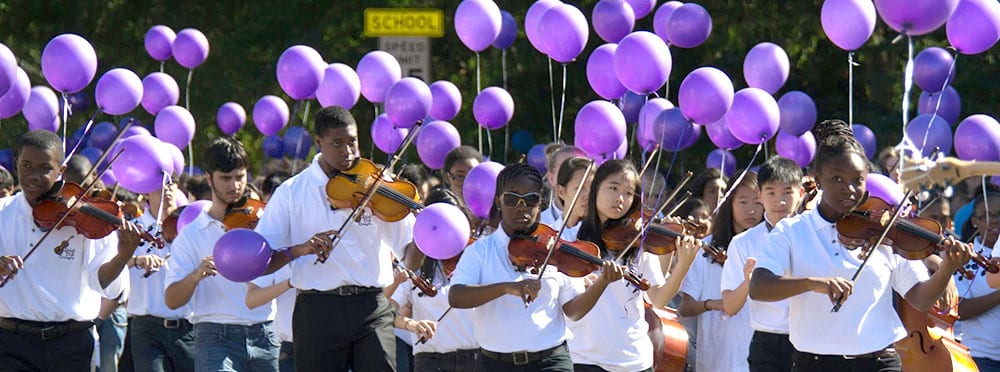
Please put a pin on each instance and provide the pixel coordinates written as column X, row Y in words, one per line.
column 513, row 200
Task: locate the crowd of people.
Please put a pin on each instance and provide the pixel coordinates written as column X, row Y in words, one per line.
column 753, row 267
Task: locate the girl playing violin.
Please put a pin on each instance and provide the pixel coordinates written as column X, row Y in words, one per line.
column 612, row 336
column 722, row 339
column 808, row 264
column 520, row 318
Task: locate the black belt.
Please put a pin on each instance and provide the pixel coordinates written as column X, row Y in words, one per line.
column 167, row 323
column 43, row 330
column 522, row 357
column 344, row 290
column 888, row 352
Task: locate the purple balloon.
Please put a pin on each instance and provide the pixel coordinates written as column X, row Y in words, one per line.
column 230, row 117
column 612, row 19
column 631, row 104
column 531, row 20
column 159, row 90
column 16, row 96
column 929, row 132
column 92, row 154
column 798, row 112
column 158, row 42
column 719, row 134
column 800, row 148
column 102, row 134
column 142, row 165
column 601, row 73
column 599, row 127
column 754, row 116
column 689, row 26
column 441, row 231
column 766, row 67
column 378, row 71
column 297, row 142
column 642, row 62
column 647, row 116
column 932, row 69
column 974, row 27
column 480, row 188
column 340, row 87
column 915, row 17
column 477, row 23
column 300, row 70
column 493, row 108
column 672, row 130
column 274, row 147
column 848, row 23
column 446, row 100
column 705, row 95
column 174, row 125
column 641, row 8
column 118, row 91
column 563, row 30
column 41, row 109
column 722, row 160
column 866, row 137
column 191, row 211
column 978, row 138
column 662, row 15
column 69, row 63
column 508, row 31
column 536, row 157
column 884, row 188
column 434, row 142
column 408, row 101
column 950, row 104
column 8, row 68
column 270, row 115
column 387, row 137
column 241, row 255
column 190, row 48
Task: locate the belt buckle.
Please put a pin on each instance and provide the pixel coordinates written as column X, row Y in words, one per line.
column 45, row 333
column 517, row 361
column 171, row 323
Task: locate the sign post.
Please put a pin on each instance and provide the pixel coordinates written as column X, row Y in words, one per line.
column 406, row 33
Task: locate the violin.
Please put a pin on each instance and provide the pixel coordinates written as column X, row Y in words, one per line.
column 242, row 214
column 426, row 288
column 914, row 238
column 392, row 201
column 94, row 218
column 660, row 239
column 575, row 259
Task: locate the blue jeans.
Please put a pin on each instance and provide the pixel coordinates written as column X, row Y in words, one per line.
column 112, row 338
column 160, row 346
column 231, row 347
column 987, row 365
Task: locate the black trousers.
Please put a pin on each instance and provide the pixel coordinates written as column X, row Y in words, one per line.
column 770, row 352
column 334, row 333
column 69, row 352
column 805, row 362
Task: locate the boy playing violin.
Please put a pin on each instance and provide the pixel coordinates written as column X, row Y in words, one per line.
column 520, row 322
column 48, row 306
column 342, row 319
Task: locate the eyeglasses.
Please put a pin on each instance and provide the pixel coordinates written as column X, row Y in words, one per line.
column 514, row 200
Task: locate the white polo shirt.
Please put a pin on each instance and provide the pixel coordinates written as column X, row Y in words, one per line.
column 299, row 209
column 618, row 318
column 285, row 303
column 53, row 287
column 505, row 325
column 216, row 299
column 771, row 317
column 979, row 333
column 454, row 332
column 867, row 321
column 147, row 293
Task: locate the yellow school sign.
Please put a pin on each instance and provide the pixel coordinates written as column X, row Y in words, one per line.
column 380, row 22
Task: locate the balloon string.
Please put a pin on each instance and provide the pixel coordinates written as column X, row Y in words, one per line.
column 506, row 128
column 739, row 179
column 479, row 88
column 562, row 106
column 187, row 105
column 937, row 103
column 850, row 88
column 552, row 101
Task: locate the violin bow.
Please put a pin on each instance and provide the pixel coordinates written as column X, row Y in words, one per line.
column 648, row 223
column 62, row 218
column 871, row 248
column 356, row 212
column 572, row 204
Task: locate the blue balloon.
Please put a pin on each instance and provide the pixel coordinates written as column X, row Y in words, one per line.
column 7, row 159
column 631, row 105
column 522, row 141
column 274, row 146
column 101, row 135
column 297, row 142
column 536, row 157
